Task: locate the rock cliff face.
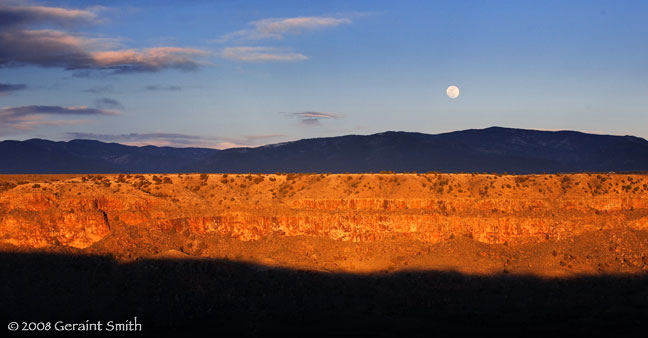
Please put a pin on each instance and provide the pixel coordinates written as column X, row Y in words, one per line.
column 78, row 212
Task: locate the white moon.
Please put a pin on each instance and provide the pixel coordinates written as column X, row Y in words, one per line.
column 452, row 92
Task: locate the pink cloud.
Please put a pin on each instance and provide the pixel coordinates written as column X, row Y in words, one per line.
column 260, row 54
column 150, row 59
column 24, row 15
column 30, row 117
column 51, row 48
column 277, row 28
column 55, row 48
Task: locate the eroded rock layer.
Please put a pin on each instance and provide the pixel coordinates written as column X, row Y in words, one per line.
column 80, row 211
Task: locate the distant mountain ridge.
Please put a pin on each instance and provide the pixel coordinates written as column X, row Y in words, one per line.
column 494, row 149
column 38, row 156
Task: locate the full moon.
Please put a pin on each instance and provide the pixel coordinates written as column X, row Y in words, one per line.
column 452, row 92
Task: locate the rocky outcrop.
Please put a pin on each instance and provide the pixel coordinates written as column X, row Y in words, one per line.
column 348, row 208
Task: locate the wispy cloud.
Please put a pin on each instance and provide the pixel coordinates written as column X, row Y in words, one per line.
column 277, row 28
column 133, row 136
column 51, row 48
column 55, row 48
column 25, row 15
column 6, row 88
column 261, row 54
column 100, row 89
column 107, row 103
column 146, row 60
column 35, row 122
column 54, row 110
column 171, row 88
column 313, row 118
column 29, row 117
column 178, row 139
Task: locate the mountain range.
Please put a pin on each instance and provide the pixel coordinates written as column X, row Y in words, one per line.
column 494, row 149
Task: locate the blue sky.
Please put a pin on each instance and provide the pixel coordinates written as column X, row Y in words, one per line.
column 246, row 73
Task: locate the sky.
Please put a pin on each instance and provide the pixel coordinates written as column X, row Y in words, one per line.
column 225, row 74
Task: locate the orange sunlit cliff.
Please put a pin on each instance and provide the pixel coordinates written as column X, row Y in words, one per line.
column 545, row 224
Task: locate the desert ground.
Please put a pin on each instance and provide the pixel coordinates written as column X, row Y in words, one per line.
column 330, row 254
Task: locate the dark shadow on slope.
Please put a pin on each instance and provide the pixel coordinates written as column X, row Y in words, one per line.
column 239, row 299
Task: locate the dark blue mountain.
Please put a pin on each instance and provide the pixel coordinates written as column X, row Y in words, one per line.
column 38, row 156
column 477, row 150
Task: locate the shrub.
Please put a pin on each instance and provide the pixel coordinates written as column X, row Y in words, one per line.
column 521, row 179
column 292, row 176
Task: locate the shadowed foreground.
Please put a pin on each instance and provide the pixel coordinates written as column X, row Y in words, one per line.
column 239, row 299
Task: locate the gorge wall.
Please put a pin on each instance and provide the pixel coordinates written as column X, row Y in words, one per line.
column 79, row 211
